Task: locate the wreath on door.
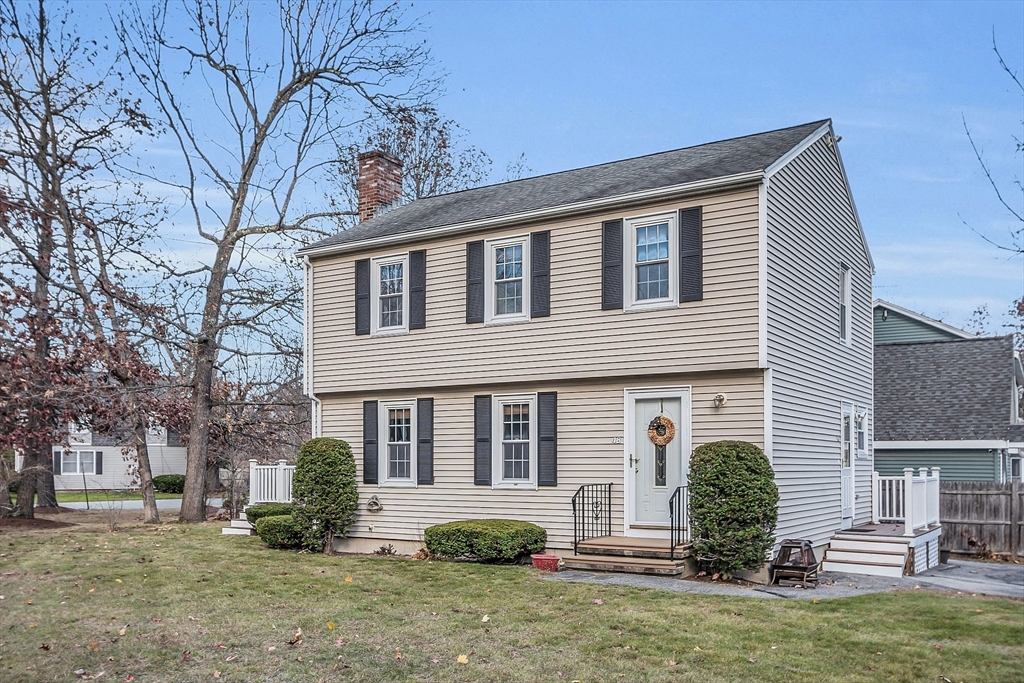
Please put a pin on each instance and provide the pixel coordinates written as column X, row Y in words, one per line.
column 661, row 430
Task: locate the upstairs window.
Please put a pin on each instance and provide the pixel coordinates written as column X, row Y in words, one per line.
column 390, row 294
column 844, row 304
column 507, row 293
column 652, row 270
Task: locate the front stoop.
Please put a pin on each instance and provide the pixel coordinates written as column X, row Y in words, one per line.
column 239, row 527
column 631, row 556
column 861, row 554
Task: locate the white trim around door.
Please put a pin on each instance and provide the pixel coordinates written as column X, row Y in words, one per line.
column 633, row 432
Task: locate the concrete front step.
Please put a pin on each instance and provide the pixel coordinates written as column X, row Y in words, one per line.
column 621, row 546
column 241, row 524
column 894, row 559
column 237, row 531
column 846, row 543
column 862, row 568
column 628, row 565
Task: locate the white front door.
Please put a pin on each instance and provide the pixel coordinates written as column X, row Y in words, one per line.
column 655, row 471
column 846, row 464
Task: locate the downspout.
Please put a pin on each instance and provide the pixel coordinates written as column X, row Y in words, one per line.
column 316, row 416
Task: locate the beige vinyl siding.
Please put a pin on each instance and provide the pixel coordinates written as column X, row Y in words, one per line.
column 577, row 341
column 589, row 416
column 811, row 230
column 119, row 467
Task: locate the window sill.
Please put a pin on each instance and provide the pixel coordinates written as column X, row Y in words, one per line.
column 506, row 321
column 526, row 485
column 655, row 306
column 397, row 484
column 390, row 332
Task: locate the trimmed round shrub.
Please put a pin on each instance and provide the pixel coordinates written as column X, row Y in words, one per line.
column 255, row 513
column 485, row 540
column 324, row 492
column 733, row 505
column 169, row 483
column 279, row 531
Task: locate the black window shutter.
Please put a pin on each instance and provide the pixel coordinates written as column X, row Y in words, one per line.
column 369, row 442
column 417, row 290
column 58, row 459
column 482, row 440
column 691, row 258
column 98, row 468
column 425, row 441
column 547, row 437
column 611, row 265
column 363, row 296
column 475, row 282
column 540, row 274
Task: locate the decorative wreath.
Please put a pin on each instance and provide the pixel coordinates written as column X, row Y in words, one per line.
column 661, row 431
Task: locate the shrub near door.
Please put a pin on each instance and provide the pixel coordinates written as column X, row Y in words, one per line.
column 485, row 540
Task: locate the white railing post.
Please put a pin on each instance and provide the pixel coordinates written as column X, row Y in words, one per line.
column 876, row 498
column 933, row 497
column 281, row 495
column 908, row 501
column 252, row 482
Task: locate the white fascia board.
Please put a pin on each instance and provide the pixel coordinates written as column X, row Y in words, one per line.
column 956, row 331
column 549, row 213
column 940, row 445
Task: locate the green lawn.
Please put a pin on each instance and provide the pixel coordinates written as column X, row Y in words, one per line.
column 183, row 603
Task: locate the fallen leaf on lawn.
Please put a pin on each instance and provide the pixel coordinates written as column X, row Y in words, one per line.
column 485, row 619
column 93, row 645
column 815, row 601
column 129, row 678
column 398, row 655
column 671, row 662
column 44, row 646
column 340, row 642
column 330, row 625
column 944, row 679
column 752, row 660
column 33, row 625
column 92, row 590
column 435, row 661
column 216, row 674
column 297, row 639
column 230, row 658
column 186, row 655
column 272, row 648
column 118, row 581
column 298, row 659
column 878, row 653
column 123, row 631
column 463, row 659
column 599, row 601
column 697, row 649
column 977, row 611
column 938, row 647
column 348, row 579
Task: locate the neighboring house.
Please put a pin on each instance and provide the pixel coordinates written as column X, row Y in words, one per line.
column 946, row 399
column 106, row 460
column 502, row 351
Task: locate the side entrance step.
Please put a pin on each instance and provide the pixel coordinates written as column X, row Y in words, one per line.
column 239, row 527
column 628, row 565
column 864, row 555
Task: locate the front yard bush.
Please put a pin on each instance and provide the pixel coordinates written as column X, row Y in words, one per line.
column 733, row 505
column 254, row 513
column 324, row 492
column 169, row 483
column 279, row 531
column 485, row 540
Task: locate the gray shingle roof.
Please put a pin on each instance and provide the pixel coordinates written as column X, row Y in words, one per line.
column 948, row 390
column 691, row 164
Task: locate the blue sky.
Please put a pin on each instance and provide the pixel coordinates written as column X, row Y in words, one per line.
column 575, row 83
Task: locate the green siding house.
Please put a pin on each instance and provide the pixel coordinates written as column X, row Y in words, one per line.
column 945, row 399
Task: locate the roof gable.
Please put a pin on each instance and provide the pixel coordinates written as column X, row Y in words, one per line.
column 722, row 159
column 894, row 325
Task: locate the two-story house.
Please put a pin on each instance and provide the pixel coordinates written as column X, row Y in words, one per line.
column 503, row 351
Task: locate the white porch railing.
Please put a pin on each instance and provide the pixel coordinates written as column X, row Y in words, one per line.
column 912, row 501
column 270, row 483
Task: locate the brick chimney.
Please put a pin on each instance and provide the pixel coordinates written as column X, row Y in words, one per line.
column 380, row 182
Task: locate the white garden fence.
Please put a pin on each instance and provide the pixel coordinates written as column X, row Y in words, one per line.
column 270, row 483
column 912, row 501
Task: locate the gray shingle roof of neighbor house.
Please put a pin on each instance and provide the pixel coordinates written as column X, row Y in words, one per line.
column 721, row 159
column 945, row 390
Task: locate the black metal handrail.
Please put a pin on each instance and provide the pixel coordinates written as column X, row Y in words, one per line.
column 591, row 513
column 679, row 529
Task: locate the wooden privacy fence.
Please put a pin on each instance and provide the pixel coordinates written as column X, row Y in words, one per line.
column 982, row 517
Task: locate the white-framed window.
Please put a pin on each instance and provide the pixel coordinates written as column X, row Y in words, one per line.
column 651, row 276
column 79, row 434
column 860, row 425
column 1015, row 469
column 389, row 295
column 156, row 435
column 397, row 425
column 847, row 435
column 507, row 290
column 845, row 298
column 78, row 462
column 514, row 441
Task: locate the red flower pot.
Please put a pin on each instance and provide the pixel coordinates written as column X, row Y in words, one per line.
column 545, row 563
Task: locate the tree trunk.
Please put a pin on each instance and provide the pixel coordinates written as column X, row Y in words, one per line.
column 27, row 486
column 140, row 427
column 6, row 474
column 213, row 482
column 193, row 501
column 46, row 490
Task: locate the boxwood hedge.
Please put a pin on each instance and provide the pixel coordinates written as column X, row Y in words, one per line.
column 279, row 531
column 169, row 483
column 254, row 513
column 485, row 540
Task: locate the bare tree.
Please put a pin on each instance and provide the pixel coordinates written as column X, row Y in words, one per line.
column 253, row 97
column 64, row 121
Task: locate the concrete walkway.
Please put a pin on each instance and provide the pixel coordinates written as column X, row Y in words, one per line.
column 101, row 503
column 973, row 578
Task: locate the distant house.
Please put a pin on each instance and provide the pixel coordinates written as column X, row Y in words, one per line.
column 106, row 460
column 946, row 399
